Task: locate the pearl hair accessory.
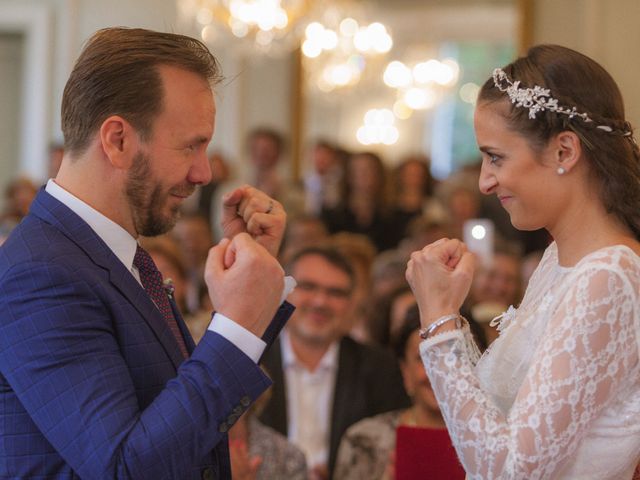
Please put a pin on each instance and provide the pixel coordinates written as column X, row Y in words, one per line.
column 538, row 99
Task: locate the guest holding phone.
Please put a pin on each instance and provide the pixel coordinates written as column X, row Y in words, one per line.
column 558, row 393
column 368, row 448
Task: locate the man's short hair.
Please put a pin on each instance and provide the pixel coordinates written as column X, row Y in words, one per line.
column 330, row 255
column 117, row 74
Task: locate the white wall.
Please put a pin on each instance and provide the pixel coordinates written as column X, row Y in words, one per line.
column 604, row 30
column 33, row 22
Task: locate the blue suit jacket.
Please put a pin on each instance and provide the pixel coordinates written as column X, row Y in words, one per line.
column 92, row 383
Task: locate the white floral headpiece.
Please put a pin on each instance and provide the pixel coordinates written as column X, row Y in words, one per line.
column 538, row 99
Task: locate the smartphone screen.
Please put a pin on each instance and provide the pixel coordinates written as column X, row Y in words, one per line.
column 478, row 235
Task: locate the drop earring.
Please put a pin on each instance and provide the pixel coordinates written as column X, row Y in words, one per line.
column 561, row 171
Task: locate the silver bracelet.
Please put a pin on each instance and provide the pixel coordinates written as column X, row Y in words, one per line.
column 426, row 332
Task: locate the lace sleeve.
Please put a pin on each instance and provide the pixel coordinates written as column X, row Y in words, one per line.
column 586, row 353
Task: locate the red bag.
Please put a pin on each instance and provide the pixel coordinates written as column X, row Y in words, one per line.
column 426, row 453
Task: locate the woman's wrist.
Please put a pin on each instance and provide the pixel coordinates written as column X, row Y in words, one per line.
column 430, row 316
column 450, row 321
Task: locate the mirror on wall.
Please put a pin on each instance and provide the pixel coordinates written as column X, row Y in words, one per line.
column 417, row 97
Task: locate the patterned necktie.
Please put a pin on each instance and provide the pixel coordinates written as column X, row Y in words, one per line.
column 151, row 279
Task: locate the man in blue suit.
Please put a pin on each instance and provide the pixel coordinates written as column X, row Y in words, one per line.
column 99, row 377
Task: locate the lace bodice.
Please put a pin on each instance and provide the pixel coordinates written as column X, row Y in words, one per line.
column 557, row 395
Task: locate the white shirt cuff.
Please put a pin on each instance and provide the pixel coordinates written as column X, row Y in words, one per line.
column 247, row 342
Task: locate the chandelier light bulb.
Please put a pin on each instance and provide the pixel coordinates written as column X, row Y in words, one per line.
column 423, row 72
column 282, row 19
column 390, row 135
column 208, row 34
column 348, row 27
column 264, row 38
column 363, row 136
column 311, row 49
column 204, row 16
column 454, row 68
column 383, row 43
column 469, row 93
column 341, row 75
column 378, row 128
column 362, row 40
column 415, row 98
column 239, row 29
column 329, row 39
column 443, row 74
column 397, row 75
column 401, row 110
column 314, row 31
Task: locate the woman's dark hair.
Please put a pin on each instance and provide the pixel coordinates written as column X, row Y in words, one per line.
column 411, row 324
column 329, row 254
column 418, row 159
column 380, row 197
column 577, row 81
column 380, row 323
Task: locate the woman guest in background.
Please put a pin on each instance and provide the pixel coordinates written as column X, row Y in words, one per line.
column 557, row 396
column 366, row 448
column 412, row 189
column 365, row 206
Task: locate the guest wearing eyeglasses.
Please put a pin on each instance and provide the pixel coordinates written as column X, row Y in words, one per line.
column 324, row 381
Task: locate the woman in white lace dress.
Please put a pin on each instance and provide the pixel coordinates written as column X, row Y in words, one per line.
column 557, row 395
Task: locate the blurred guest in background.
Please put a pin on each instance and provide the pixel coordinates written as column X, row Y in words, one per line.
column 302, row 231
column 323, row 380
column 365, row 207
column 18, row 196
column 412, row 189
column 323, row 181
column 360, row 253
column 366, row 449
column 56, row 152
column 495, row 287
column 265, row 147
column 388, row 314
column 388, row 272
column 193, row 235
column 259, row 452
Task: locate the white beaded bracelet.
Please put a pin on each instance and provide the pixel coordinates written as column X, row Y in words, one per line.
column 426, row 332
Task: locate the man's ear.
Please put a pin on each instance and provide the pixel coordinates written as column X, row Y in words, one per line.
column 119, row 141
column 568, row 150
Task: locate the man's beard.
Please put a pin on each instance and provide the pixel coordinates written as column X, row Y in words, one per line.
column 147, row 200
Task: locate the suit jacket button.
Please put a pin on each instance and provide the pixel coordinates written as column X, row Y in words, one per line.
column 238, row 410
column 245, row 401
column 223, row 428
column 207, row 474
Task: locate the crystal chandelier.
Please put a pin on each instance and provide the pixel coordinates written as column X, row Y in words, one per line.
column 261, row 24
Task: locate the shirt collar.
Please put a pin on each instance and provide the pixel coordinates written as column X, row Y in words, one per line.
column 329, row 360
column 117, row 238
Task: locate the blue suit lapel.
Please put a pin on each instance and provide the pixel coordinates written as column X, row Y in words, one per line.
column 52, row 211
